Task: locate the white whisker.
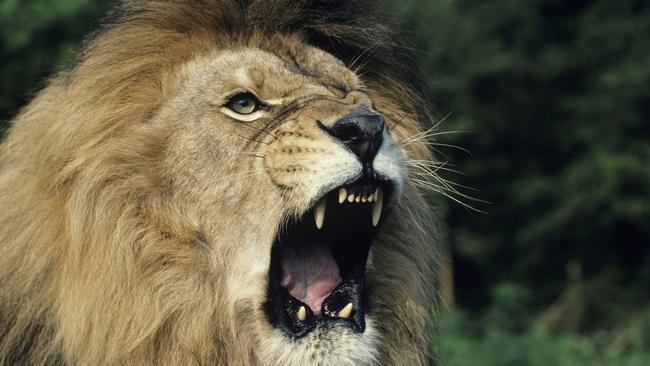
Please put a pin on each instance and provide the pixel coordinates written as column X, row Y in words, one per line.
column 433, row 165
column 444, row 192
column 425, row 135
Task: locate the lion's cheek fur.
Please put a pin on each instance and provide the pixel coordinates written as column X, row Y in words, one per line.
column 182, row 286
column 138, row 271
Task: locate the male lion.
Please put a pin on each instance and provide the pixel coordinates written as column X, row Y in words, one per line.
column 221, row 182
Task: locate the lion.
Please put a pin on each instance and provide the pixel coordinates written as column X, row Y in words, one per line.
column 222, row 182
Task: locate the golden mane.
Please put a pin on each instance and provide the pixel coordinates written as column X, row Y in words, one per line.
column 83, row 205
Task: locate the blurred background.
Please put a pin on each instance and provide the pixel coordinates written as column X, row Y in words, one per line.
column 551, row 100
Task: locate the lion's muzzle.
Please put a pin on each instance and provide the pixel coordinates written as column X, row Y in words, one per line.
column 341, row 171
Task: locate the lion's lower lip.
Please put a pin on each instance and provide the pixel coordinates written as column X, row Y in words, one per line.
column 318, row 263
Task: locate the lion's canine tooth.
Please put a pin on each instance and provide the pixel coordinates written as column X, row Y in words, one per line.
column 377, row 206
column 351, row 198
column 346, row 311
column 302, row 314
column 343, row 194
column 319, row 212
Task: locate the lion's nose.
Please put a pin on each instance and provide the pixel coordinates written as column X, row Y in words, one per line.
column 361, row 133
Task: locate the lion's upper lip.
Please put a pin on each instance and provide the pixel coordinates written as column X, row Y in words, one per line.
column 318, row 262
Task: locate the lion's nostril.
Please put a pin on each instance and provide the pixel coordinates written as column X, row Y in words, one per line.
column 345, row 132
column 360, row 133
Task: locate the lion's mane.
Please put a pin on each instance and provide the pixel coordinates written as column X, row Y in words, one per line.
column 97, row 267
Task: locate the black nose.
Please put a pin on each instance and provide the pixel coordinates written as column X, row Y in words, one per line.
column 361, row 133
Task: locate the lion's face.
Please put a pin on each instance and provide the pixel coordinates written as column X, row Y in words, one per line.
column 289, row 168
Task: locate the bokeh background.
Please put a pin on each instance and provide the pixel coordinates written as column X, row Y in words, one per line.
column 551, row 100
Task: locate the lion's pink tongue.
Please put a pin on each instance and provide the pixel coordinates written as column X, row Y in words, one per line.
column 310, row 274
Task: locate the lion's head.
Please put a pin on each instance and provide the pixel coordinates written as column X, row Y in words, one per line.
column 221, row 182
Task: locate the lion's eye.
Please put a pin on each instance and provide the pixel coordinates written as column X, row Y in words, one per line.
column 244, row 103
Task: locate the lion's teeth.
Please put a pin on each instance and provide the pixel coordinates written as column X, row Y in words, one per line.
column 343, row 194
column 371, row 197
column 319, row 212
column 346, row 311
column 351, row 198
column 364, row 199
column 357, row 199
column 302, row 314
column 377, row 206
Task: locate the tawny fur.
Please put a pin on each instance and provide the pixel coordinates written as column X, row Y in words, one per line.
column 136, row 223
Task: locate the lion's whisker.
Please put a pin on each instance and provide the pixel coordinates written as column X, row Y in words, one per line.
column 356, row 68
column 261, row 130
column 249, row 139
column 448, row 192
column 427, row 134
column 430, row 143
column 435, row 166
column 449, row 196
column 253, row 155
column 399, row 121
column 425, row 175
column 427, row 169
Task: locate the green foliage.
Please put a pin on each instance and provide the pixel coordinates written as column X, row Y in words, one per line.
column 556, row 96
column 504, row 338
column 535, row 347
column 38, row 37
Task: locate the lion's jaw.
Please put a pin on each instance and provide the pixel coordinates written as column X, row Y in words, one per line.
column 291, row 164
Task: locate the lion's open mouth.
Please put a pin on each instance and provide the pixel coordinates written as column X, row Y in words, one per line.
column 318, row 263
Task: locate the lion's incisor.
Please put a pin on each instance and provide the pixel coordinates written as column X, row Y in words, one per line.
column 139, row 209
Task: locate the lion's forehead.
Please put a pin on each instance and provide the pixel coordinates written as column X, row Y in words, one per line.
column 279, row 74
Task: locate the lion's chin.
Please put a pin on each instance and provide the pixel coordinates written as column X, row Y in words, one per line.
column 318, row 261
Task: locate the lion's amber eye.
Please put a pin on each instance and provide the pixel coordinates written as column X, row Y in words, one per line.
column 244, row 103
